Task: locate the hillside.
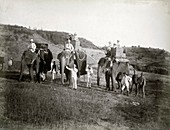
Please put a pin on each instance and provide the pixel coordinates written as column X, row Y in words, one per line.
column 15, row 39
column 149, row 59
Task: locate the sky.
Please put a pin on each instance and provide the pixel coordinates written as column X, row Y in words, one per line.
column 132, row 22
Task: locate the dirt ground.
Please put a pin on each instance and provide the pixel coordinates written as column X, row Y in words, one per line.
column 115, row 111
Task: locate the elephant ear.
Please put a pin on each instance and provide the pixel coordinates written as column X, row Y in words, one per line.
column 59, row 56
column 102, row 61
column 28, row 56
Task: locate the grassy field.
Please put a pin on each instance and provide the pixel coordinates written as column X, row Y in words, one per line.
column 54, row 106
column 51, row 105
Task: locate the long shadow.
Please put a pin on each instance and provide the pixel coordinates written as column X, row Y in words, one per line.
column 12, row 75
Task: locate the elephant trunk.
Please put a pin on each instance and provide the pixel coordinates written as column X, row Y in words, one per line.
column 98, row 75
column 62, row 67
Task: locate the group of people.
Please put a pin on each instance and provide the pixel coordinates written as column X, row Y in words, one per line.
column 74, row 72
column 69, row 49
column 127, row 82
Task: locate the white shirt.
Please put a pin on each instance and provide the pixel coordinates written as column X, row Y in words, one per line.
column 73, row 71
column 10, row 62
column 126, row 80
column 32, row 47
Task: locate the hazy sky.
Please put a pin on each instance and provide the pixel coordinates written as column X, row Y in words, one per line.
column 133, row 22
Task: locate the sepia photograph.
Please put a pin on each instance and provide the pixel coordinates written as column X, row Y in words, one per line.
column 84, row 65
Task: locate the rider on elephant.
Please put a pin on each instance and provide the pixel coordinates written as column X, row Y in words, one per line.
column 68, row 50
column 32, row 46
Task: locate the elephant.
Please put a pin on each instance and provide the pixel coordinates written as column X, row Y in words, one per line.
column 46, row 65
column 40, row 61
column 32, row 60
column 66, row 58
column 111, row 67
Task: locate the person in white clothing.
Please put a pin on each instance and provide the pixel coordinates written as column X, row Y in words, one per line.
column 69, row 47
column 74, row 71
column 126, row 82
column 54, row 71
column 32, row 46
column 10, row 63
column 89, row 71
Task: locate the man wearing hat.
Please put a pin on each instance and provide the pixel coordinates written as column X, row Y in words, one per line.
column 108, row 51
column 126, row 82
column 89, row 71
column 68, row 46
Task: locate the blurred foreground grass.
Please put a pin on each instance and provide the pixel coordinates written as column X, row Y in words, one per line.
column 56, row 106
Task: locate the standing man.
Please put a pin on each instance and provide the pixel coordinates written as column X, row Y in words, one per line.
column 141, row 84
column 134, row 81
column 108, row 53
column 74, row 71
column 68, row 50
column 54, row 71
column 76, row 42
column 10, row 63
column 89, row 71
column 68, row 46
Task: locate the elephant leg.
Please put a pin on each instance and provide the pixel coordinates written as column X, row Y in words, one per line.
column 112, row 83
column 21, row 71
column 137, row 89
column 62, row 69
column 143, row 91
column 131, row 87
column 31, row 73
column 117, row 85
column 108, row 85
column 98, row 76
column 38, row 77
column 107, row 77
column 127, row 89
column 69, row 78
column 98, row 81
column 67, row 73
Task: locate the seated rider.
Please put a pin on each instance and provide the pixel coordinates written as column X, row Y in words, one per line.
column 68, row 49
column 32, row 46
column 108, row 53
